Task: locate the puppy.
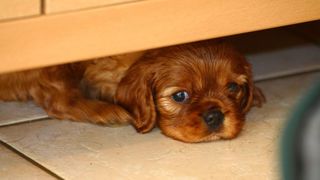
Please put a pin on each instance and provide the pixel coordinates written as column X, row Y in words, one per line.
column 194, row 92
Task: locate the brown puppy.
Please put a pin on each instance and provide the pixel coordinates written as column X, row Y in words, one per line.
column 194, row 92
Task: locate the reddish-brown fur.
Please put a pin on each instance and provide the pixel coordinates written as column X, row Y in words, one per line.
column 138, row 90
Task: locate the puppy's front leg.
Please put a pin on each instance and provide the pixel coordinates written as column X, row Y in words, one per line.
column 74, row 106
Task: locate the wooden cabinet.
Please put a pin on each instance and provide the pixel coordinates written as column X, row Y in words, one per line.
column 11, row 9
column 136, row 25
column 57, row 6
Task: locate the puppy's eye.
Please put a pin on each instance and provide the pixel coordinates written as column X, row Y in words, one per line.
column 180, row 97
column 233, row 87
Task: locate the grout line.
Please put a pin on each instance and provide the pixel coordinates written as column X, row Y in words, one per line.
column 30, row 160
column 25, row 122
column 287, row 75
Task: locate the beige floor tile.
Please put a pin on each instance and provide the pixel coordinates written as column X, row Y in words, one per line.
column 14, row 167
column 17, row 112
column 278, row 52
column 79, row 150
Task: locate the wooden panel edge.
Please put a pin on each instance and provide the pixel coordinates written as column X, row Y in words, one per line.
column 60, row 38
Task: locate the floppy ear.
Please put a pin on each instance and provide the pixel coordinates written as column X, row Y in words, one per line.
column 246, row 99
column 135, row 94
column 258, row 97
column 253, row 96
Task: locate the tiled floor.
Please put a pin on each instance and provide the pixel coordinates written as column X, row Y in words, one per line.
column 13, row 166
column 79, row 150
column 49, row 149
column 16, row 112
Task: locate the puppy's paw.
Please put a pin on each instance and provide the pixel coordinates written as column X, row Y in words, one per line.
column 113, row 116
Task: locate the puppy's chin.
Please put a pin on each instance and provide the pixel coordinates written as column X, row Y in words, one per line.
column 193, row 129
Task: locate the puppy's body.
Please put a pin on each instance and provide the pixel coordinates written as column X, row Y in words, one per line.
column 195, row 92
column 81, row 91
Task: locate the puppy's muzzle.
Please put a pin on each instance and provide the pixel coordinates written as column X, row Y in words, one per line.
column 213, row 118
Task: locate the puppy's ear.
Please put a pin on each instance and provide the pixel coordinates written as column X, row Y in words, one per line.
column 253, row 96
column 246, row 100
column 258, row 97
column 135, row 93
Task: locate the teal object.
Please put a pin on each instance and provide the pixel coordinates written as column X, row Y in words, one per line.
column 300, row 143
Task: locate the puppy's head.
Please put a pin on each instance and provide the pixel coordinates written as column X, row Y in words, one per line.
column 195, row 92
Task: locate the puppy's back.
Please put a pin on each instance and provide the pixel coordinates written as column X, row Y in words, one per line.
column 16, row 86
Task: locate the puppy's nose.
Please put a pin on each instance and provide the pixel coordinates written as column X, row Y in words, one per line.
column 213, row 118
